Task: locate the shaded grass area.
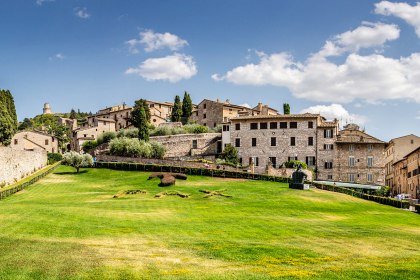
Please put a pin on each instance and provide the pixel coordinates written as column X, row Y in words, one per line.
column 70, row 226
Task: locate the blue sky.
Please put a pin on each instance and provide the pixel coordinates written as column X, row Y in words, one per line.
column 357, row 60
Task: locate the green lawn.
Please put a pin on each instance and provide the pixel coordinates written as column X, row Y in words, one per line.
column 69, row 226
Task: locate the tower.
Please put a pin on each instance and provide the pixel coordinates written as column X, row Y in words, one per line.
column 47, row 109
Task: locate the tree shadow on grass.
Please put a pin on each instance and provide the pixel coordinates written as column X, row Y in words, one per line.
column 71, row 173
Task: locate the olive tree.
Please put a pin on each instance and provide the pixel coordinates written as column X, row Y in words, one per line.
column 77, row 160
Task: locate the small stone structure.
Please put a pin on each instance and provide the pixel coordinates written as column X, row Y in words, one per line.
column 18, row 164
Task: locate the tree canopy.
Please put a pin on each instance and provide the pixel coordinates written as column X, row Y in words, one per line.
column 230, row 154
column 186, row 108
column 8, row 118
column 286, row 108
column 176, row 110
column 138, row 104
column 143, row 125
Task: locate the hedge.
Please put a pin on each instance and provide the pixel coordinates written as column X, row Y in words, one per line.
column 128, row 166
column 28, row 181
column 379, row 199
column 417, row 206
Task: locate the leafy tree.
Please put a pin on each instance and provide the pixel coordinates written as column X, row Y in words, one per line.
column 230, row 154
column 77, row 160
column 186, row 108
column 143, row 125
column 89, row 145
column 176, row 110
column 138, row 104
column 8, row 119
column 26, row 124
column 286, row 108
column 73, row 114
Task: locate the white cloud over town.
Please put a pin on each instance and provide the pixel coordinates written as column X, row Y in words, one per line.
column 172, row 68
column 372, row 77
column 81, row 13
column 410, row 14
column 152, row 41
column 41, row 2
column 335, row 111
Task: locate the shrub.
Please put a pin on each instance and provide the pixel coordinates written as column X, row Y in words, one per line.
column 54, row 157
column 129, row 133
column 295, row 163
column 417, row 206
column 230, row 155
column 89, row 145
column 77, row 160
column 158, row 150
column 133, row 147
column 195, row 128
column 106, row 137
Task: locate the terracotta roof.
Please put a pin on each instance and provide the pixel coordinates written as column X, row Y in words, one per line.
column 290, row 116
column 327, row 124
column 356, row 136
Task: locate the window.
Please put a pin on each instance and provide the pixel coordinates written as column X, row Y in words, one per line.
column 225, row 127
column 369, row 177
column 328, row 165
column 351, row 161
column 292, row 141
column 214, row 124
column 204, row 124
column 254, row 160
column 263, row 125
column 254, row 126
column 329, row 177
column 273, row 161
column 283, row 124
column 237, row 142
column 254, row 142
column 240, row 161
column 351, row 177
column 293, row 125
column 328, row 133
column 351, row 147
column 204, row 116
column 370, row 161
column 273, row 141
column 196, row 113
column 370, row 148
column 46, row 141
column 292, row 158
column 194, row 144
column 237, row 126
column 273, row 125
column 204, row 106
column 310, row 124
column 16, row 141
column 310, row 161
column 328, row 146
column 152, row 105
column 52, row 139
column 310, row 141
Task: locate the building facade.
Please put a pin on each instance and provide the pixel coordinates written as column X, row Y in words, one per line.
column 407, row 175
column 160, row 112
column 396, row 150
column 91, row 132
column 34, row 141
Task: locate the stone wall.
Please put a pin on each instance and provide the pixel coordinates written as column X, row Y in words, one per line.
column 185, row 145
column 17, row 164
column 287, row 172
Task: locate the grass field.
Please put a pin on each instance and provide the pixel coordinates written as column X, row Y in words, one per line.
column 70, row 226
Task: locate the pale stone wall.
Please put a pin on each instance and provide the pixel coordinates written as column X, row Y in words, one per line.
column 18, row 164
column 413, row 176
column 36, row 141
column 82, row 135
column 287, row 172
column 183, row 145
column 327, row 153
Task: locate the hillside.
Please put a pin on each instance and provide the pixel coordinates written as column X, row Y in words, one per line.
column 70, row 226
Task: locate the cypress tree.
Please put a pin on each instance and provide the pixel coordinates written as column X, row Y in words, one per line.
column 286, row 108
column 8, row 119
column 143, row 125
column 176, row 110
column 186, row 108
column 72, row 114
column 134, row 118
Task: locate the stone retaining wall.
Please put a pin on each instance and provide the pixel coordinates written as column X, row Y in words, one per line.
column 17, row 164
column 287, row 172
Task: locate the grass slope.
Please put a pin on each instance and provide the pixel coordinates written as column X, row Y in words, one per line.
column 69, row 226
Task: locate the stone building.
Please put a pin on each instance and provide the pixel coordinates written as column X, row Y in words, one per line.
column 347, row 155
column 395, row 151
column 70, row 123
column 34, row 141
column 90, row 131
column 120, row 114
column 212, row 113
column 47, row 109
column 407, row 175
column 160, row 112
column 360, row 157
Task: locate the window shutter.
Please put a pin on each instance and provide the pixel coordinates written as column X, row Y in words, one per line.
column 307, row 160
column 325, row 133
column 325, row 163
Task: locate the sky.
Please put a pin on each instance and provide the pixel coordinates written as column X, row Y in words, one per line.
column 354, row 60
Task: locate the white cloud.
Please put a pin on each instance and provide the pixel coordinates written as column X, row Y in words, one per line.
column 58, row 56
column 372, row 78
column 368, row 35
column 410, row 14
column 172, row 68
column 245, row 105
column 81, row 13
column 40, row 2
column 155, row 41
column 335, row 111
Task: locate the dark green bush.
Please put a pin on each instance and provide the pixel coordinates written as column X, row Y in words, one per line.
column 295, row 163
column 417, row 206
column 54, row 157
column 106, row 137
column 89, row 145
